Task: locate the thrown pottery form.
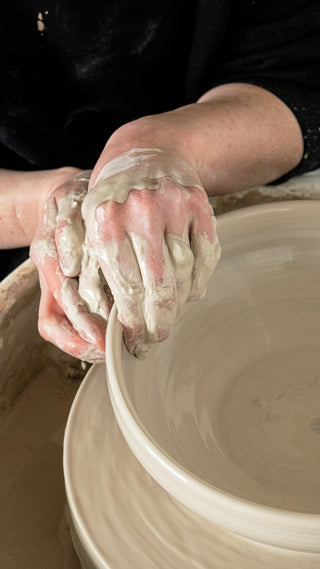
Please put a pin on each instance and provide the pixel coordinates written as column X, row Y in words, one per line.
column 225, row 414
column 120, row 517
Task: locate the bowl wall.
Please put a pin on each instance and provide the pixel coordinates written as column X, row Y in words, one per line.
column 225, row 414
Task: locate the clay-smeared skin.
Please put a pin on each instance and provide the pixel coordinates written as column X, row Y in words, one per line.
column 165, row 241
column 155, row 247
column 63, row 316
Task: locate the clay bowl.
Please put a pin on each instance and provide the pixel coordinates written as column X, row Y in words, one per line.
column 225, row 414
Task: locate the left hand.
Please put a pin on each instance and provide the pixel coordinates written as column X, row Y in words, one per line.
column 75, row 301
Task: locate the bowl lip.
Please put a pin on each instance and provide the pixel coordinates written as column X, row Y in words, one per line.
column 76, row 518
column 147, row 450
column 80, row 530
column 128, row 419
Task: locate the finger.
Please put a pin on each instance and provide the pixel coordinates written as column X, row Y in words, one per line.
column 89, row 327
column 93, row 288
column 43, row 245
column 206, row 250
column 70, row 230
column 55, row 328
column 182, row 260
column 177, row 213
column 157, row 271
column 140, row 272
column 120, row 267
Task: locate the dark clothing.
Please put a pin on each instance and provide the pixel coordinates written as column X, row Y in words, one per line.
column 10, row 259
column 72, row 72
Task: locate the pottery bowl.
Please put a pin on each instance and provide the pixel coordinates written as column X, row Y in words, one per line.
column 225, row 414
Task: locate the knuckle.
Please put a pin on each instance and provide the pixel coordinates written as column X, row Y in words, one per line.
column 108, row 220
column 142, row 204
column 199, row 200
column 180, row 252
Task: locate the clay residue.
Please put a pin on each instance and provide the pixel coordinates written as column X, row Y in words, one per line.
column 299, row 188
column 22, row 350
column 34, row 530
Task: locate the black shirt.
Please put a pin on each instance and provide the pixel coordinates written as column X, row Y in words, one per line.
column 73, row 71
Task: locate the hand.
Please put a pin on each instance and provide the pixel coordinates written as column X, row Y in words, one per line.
column 152, row 230
column 73, row 309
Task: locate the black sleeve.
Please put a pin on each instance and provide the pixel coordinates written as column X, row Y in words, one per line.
column 275, row 44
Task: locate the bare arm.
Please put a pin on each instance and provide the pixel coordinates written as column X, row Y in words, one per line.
column 157, row 249
column 236, row 136
column 22, row 196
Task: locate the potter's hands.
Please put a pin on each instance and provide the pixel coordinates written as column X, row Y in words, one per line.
column 152, row 229
column 69, row 316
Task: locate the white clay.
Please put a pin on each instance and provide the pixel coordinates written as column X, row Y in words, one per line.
column 139, row 168
column 72, row 231
column 158, row 302
column 225, row 413
column 75, row 308
column 147, row 527
column 43, row 248
column 91, row 282
column 206, row 257
column 148, row 306
column 157, row 162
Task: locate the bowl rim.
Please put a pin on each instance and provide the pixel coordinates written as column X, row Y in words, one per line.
column 214, row 504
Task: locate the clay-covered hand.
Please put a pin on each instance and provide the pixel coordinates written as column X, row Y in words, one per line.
column 75, row 299
column 152, row 230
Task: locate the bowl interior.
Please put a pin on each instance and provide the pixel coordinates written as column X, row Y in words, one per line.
column 233, row 396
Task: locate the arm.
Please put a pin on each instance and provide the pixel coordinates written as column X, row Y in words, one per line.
column 237, row 136
column 22, row 197
column 29, row 206
column 157, row 249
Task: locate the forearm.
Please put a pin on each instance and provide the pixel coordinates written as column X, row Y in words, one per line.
column 237, row 136
column 22, row 196
column 257, row 140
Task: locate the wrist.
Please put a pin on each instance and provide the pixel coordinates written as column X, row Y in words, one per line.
column 236, row 137
column 46, row 181
column 22, row 197
column 159, row 132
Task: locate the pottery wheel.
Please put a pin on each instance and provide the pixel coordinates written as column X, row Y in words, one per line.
column 122, row 518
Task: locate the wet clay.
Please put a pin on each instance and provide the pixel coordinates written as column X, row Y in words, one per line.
column 146, row 527
column 140, row 168
column 186, row 265
column 145, row 168
column 225, row 414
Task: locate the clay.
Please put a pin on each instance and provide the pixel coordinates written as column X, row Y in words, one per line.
column 91, row 283
column 73, row 232
column 225, row 413
column 111, row 494
column 186, row 267
column 139, row 168
column 32, row 534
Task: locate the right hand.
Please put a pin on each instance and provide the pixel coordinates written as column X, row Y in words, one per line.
column 60, row 254
column 153, row 232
